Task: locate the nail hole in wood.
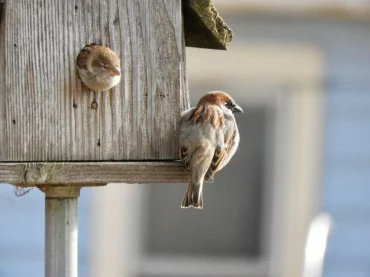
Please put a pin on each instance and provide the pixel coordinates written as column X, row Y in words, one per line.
column 13, row 121
column 98, row 142
column 94, row 105
column 74, row 105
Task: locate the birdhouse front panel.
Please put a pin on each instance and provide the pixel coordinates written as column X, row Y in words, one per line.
column 48, row 114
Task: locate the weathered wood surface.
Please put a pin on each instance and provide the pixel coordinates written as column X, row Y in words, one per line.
column 90, row 173
column 46, row 114
column 2, row 83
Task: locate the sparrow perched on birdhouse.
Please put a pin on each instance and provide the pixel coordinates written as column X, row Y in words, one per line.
column 98, row 67
column 209, row 137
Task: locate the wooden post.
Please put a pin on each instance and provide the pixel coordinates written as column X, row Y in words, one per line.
column 61, row 231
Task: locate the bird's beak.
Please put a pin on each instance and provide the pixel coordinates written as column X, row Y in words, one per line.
column 237, row 109
column 115, row 71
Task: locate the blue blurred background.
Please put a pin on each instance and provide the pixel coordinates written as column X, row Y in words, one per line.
column 301, row 72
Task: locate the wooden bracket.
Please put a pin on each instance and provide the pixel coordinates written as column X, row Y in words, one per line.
column 91, row 173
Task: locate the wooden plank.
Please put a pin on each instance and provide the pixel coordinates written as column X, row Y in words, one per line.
column 3, row 138
column 45, row 111
column 92, row 173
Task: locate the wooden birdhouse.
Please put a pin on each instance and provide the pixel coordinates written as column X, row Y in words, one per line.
column 59, row 135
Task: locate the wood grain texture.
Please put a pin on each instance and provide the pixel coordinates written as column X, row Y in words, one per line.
column 3, row 137
column 46, row 113
column 92, row 173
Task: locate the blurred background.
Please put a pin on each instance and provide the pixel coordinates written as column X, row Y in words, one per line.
column 301, row 72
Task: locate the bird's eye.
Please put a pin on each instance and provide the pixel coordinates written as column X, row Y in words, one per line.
column 103, row 66
column 229, row 105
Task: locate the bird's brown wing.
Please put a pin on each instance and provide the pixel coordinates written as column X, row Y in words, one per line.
column 84, row 54
column 183, row 152
column 183, row 155
column 221, row 154
column 217, row 161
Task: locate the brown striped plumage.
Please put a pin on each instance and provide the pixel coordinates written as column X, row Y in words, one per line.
column 208, row 114
column 98, row 67
column 209, row 138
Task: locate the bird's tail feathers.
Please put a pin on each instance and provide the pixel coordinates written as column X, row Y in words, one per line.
column 193, row 197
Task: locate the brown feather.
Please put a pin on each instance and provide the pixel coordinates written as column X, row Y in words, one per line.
column 220, row 155
column 197, row 113
column 83, row 57
column 101, row 53
column 208, row 114
column 183, row 153
column 207, row 110
column 215, row 98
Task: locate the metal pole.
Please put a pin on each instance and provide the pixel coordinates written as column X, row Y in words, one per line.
column 61, row 230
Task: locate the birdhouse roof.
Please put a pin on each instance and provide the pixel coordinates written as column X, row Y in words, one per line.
column 204, row 27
